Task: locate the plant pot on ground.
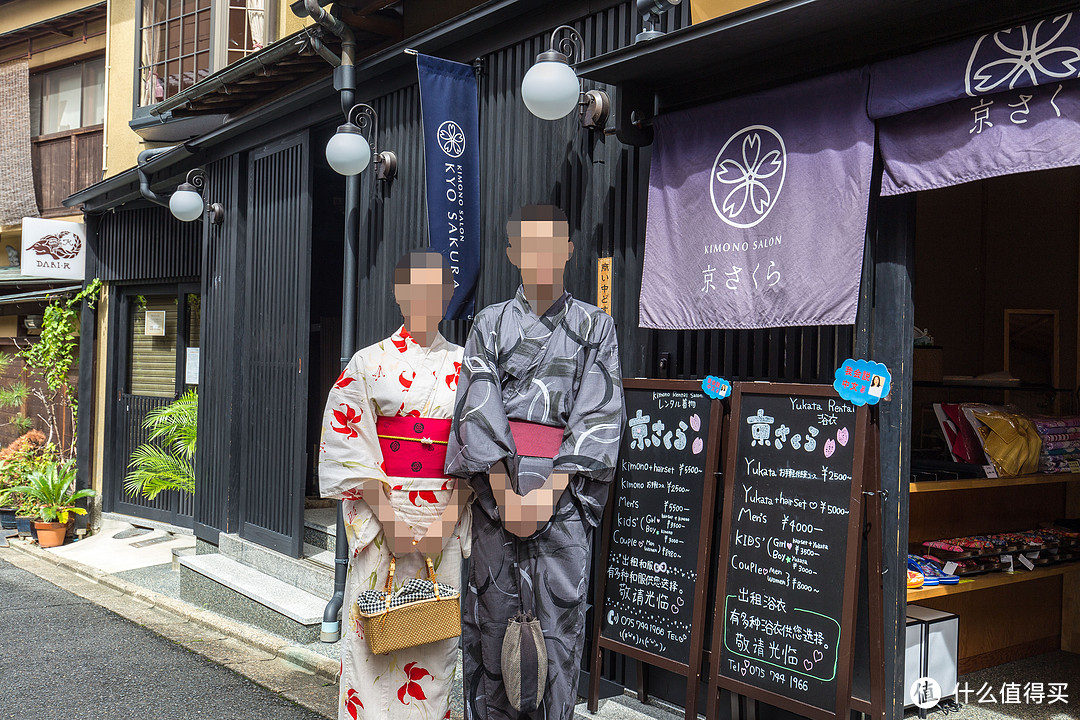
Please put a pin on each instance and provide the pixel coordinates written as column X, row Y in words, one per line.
column 51, row 489
column 50, row 534
column 7, row 518
column 25, row 525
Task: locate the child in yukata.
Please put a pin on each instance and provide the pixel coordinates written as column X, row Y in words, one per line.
column 536, row 430
column 385, row 429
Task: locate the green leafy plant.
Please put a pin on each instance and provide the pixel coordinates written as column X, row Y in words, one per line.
column 17, row 461
column 12, row 398
column 49, row 360
column 51, row 488
column 167, row 460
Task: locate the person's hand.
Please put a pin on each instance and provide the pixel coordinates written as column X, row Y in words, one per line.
column 400, row 538
column 523, row 516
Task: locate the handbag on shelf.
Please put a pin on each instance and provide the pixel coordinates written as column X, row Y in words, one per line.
column 420, row 612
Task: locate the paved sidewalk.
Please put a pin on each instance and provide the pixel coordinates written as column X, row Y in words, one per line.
column 293, row 672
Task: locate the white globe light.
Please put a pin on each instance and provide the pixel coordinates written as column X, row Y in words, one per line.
column 348, row 151
column 186, row 204
column 550, row 89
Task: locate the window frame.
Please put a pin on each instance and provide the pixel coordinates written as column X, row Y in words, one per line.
column 39, row 75
column 218, row 48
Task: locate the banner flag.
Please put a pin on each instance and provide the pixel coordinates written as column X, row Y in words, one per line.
column 757, row 209
column 451, row 113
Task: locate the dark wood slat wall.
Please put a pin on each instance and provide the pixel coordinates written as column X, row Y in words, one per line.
column 220, row 399
column 274, row 366
column 148, row 244
column 64, row 163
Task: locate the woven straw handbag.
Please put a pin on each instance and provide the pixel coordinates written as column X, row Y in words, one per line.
column 420, row 612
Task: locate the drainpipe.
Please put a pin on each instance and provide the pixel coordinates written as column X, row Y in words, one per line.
column 345, row 82
column 144, row 177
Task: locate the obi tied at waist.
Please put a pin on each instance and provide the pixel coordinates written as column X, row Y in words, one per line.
column 413, row 446
column 535, row 440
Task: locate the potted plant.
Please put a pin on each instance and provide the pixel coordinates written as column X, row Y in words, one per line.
column 51, row 488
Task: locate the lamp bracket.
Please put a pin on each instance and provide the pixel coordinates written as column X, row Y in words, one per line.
column 196, row 177
column 569, row 47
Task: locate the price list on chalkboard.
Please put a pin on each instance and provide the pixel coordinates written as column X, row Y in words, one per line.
column 787, row 532
column 655, row 524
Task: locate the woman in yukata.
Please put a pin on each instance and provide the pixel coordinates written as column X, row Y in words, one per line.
column 385, row 430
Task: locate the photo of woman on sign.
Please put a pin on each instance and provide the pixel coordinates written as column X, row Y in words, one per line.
column 877, row 384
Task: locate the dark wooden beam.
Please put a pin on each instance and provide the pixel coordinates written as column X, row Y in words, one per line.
column 376, row 24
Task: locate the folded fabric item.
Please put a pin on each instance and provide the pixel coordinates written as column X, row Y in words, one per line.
column 1060, row 436
column 1046, row 422
column 1061, row 447
column 1052, row 464
column 1009, row 439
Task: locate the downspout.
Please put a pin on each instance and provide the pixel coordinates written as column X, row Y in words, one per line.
column 144, row 177
column 344, row 81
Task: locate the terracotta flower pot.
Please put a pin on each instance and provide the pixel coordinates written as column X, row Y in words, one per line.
column 50, row 534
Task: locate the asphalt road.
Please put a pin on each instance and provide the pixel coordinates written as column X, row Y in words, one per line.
column 63, row 657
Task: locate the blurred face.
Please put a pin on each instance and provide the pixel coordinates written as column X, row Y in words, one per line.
column 424, row 299
column 540, row 250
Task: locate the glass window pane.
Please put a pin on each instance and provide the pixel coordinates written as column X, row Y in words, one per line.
column 35, row 105
column 62, row 100
column 153, row 356
column 93, row 111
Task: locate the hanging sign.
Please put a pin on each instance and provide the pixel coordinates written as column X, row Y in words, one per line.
column 757, row 209
column 862, row 382
column 450, row 108
column 603, row 284
column 716, row 387
column 53, row 249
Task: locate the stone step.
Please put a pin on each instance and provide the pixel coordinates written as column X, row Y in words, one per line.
column 320, row 527
column 240, row 591
column 313, row 573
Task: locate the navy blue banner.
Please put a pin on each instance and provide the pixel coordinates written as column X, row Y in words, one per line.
column 448, row 101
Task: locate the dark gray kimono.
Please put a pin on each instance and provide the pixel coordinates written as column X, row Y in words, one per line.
column 559, row 369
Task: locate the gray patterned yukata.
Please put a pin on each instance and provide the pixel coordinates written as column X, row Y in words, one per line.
column 560, row 369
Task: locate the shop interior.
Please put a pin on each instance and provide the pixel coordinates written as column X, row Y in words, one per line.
column 995, row 414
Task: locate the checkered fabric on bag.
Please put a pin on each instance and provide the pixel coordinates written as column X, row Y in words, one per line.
column 373, row 602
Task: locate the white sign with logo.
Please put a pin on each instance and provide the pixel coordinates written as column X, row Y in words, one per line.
column 53, row 249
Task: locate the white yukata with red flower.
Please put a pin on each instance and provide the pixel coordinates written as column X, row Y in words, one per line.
column 395, row 377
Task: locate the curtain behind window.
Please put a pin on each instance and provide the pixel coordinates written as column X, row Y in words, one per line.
column 256, row 15
column 16, row 174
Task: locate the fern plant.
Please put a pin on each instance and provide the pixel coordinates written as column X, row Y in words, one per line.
column 50, row 487
column 167, row 460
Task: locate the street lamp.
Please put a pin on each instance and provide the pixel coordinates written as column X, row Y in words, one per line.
column 187, row 204
column 551, row 88
column 349, row 152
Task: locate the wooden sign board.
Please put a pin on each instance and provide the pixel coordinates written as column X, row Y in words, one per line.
column 785, row 592
column 656, row 533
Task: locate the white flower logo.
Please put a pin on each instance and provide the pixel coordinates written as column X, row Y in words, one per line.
column 451, row 138
column 1001, row 60
column 754, row 161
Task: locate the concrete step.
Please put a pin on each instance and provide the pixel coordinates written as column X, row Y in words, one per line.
column 320, row 527
column 232, row 588
column 313, row 573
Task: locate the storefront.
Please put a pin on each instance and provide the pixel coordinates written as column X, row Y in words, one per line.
column 269, row 307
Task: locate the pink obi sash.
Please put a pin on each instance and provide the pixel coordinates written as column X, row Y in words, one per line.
column 535, row 440
column 413, row 446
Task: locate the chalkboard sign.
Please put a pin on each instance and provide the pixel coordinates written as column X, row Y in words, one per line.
column 790, row 547
column 658, row 527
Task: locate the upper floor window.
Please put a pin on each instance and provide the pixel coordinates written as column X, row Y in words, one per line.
column 67, row 98
column 183, row 41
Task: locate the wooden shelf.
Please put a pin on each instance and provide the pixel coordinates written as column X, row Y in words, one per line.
column 996, row 579
column 981, row 483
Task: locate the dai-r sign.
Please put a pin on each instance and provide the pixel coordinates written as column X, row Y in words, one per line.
column 53, row 249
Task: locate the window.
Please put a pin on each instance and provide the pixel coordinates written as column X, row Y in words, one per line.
column 177, row 37
column 67, row 98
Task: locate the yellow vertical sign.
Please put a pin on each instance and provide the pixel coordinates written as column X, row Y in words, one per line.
column 702, row 10
column 603, row 284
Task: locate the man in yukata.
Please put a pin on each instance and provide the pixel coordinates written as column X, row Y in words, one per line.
column 536, row 430
column 385, row 429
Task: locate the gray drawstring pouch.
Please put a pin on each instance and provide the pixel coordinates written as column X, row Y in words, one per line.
column 524, row 663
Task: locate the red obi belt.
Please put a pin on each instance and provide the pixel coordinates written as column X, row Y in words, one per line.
column 413, row 446
column 535, row 440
